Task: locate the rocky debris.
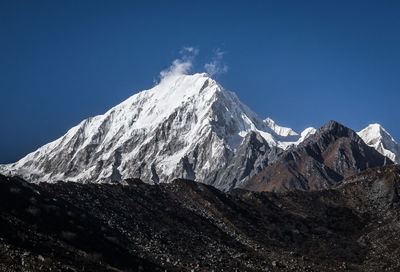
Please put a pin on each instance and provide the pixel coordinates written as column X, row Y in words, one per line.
column 41, row 232
column 322, row 160
column 189, row 226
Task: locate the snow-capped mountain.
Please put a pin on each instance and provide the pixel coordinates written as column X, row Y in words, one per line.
column 377, row 137
column 281, row 131
column 288, row 133
column 187, row 126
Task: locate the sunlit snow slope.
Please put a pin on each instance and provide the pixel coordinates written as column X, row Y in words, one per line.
column 376, row 136
column 187, row 126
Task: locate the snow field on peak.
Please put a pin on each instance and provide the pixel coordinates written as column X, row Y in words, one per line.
column 377, row 137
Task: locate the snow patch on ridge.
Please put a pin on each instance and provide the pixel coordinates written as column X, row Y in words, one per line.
column 281, row 131
column 292, row 137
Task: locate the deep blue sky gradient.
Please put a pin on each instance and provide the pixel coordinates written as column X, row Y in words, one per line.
column 301, row 63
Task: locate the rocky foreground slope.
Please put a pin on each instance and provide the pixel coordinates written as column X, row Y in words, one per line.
column 189, row 226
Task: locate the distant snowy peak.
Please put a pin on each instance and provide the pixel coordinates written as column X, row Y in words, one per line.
column 377, row 137
column 289, row 136
column 281, row 131
column 306, row 133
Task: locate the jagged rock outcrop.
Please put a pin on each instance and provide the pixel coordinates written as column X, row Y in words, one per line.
column 322, row 160
column 250, row 158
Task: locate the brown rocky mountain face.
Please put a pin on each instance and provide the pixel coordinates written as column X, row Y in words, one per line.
column 324, row 159
column 189, row 226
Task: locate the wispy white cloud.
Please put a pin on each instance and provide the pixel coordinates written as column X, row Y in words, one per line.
column 189, row 49
column 182, row 65
column 216, row 66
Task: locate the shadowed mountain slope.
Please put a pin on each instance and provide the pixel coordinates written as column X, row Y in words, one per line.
column 322, row 160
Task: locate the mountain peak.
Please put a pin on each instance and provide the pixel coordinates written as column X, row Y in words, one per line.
column 332, row 124
column 307, row 132
column 281, row 131
column 337, row 129
column 187, row 126
column 376, row 129
column 377, row 137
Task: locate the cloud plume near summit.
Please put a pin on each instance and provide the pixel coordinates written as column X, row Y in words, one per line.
column 182, row 65
column 216, row 65
column 185, row 63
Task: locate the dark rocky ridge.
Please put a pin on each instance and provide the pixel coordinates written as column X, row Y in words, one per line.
column 322, row 160
column 250, row 158
column 189, row 226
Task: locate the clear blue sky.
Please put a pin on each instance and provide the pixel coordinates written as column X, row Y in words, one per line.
column 300, row 62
